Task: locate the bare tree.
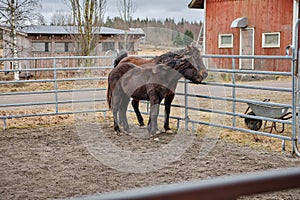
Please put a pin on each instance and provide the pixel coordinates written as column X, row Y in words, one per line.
column 126, row 10
column 17, row 14
column 88, row 17
column 61, row 18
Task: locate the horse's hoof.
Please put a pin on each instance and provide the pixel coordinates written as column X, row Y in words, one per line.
column 158, row 132
column 142, row 127
column 127, row 133
column 169, row 131
column 118, row 133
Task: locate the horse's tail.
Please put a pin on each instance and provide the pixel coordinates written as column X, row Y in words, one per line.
column 121, row 55
column 109, row 96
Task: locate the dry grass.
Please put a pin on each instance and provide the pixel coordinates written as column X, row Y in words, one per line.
column 238, row 137
column 34, row 122
column 153, row 51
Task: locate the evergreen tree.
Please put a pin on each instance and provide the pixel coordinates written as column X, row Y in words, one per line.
column 178, row 40
column 188, row 37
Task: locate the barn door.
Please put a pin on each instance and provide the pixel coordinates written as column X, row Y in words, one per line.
column 247, row 47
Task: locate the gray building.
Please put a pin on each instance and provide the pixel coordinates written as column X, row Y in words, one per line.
column 53, row 41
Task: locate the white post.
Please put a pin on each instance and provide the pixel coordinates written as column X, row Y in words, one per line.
column 14, row 36
column 295, row 19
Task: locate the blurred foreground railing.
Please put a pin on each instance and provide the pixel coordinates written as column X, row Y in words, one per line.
column 221, row 188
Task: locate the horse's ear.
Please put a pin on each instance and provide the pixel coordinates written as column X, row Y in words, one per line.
column 159, row 68
column 189, row 47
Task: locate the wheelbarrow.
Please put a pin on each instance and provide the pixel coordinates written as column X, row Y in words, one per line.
column 270, row 111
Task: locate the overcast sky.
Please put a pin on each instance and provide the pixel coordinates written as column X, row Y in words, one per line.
column 158, row 9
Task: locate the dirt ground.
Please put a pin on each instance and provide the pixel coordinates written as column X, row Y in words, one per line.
column 56, row 162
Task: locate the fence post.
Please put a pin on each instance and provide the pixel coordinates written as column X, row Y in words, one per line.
column 186, row 114
column 233, row 93
column 296, row 96
column 55, row 85
column 4, row 123
column 295, row 87
column 294, row 100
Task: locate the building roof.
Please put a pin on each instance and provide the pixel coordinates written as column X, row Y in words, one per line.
column 199, row 4
column 65, row 30
column 7, row 28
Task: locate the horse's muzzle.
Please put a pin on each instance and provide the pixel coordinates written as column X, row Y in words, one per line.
column 204, row 73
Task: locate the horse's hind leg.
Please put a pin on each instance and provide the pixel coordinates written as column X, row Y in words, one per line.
column 116, row 126
column 135, row 105
column 123, row 108
column 115, row 108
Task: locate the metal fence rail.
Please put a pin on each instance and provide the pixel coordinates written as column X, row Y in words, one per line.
column 214, row 189
column 234, row 86
column 83, row 74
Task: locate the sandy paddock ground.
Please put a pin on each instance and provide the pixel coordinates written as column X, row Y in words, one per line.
column 57, row 162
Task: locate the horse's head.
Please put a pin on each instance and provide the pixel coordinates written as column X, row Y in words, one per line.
column 191, row 65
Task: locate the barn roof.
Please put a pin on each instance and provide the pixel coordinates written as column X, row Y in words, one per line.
column 199, row 4
column 65, row 30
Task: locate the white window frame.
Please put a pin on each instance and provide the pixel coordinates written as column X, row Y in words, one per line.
column 225, row 45
column 264, row 45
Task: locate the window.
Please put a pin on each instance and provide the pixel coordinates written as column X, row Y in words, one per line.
column 225, row 40
column 64, row 47
column 60, row 47
column 129, row 46
column 106, row 46
column 1, row 34
column 41, row 46
column 70, row 47
column 271, row 40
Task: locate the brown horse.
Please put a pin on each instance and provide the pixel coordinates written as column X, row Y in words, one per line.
column 164, row 58
column 151, row 82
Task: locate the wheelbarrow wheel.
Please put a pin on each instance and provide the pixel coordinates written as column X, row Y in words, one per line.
column 253, row 124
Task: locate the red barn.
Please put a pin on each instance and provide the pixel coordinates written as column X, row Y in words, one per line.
column 249, row 27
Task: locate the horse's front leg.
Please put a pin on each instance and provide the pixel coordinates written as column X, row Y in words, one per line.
column 168, row 102
column 135, row 105
column 154, row 111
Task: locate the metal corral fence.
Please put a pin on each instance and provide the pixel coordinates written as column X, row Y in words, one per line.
column 221, row 101
column 216, row 102
column 64, row 92
column 266, row 106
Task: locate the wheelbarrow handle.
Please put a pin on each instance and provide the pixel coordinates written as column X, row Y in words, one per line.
column 247, row 110
column 287, row 116
column 266, row 100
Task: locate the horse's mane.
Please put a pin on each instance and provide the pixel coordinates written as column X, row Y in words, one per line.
column 121, row 55
column 169, row 58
